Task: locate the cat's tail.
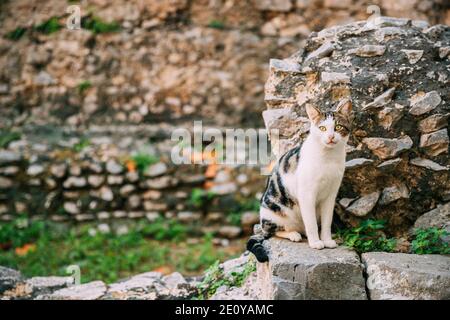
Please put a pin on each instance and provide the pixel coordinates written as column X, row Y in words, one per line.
column 255, row 246
column 264, row 231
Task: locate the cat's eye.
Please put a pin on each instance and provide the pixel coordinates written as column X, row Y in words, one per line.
column 339, row 127
column 322, row 128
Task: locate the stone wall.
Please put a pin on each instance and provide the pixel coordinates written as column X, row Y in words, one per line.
column 62, row 177
column 171, row 60
column 396, row 72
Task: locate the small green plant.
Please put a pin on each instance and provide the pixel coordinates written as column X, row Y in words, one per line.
column 199, row 197
column 6, row 137
column 96, row 25
column 38, row 249
column 429, row 241
column 50, row 26
column 216, row 24
column 83, row 86
column 367, row 237
column 20, row 232
column 143, row 161
column 249, row 205
column 16, row 34
column 215, row 278
column 235, row 218
column 81, row 145
column 162, row 229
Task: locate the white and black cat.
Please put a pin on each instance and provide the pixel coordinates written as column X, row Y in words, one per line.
column 302, row 188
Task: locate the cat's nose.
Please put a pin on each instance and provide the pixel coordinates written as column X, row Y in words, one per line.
column 330, row 138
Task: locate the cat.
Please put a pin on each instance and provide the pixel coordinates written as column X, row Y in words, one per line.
column 302, row 188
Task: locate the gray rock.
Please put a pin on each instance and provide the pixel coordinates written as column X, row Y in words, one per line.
column 230, row 232
column 323, row 51
column 297, row 272
column 425, row 103
column 436, row 218
column 115, row 180
column 249, row 218
column 383, row 21
column 95, row 167
column 159, row 183
column 71, row 207
column 132, row 176
column 156, row 170
column 44, row 79
column 399, row 276
column 224, row 188
column 88, row 291
column 58, row 170
column 284, row 65
column 444, row 52
column 75, row 169
column 433, row 123
column 46, row 285
column 74, row 182
column 113, row 167
column 7, row 157
column 391, row 194
column 127, row 189
column 381, row 100
column 274, row 5
column 384, row 34
column 335, row 77
column 174, row 280
column 389, row 165
column 362, row 206
column 435, row 143
column 357, row 163
column 137, row 287
column 413, row 55
column 35, row 170
column 154, row 206
column 421, row 24
column 188, row 216
column 369, row 50
column 106, row 194
column 9, row 278
column 385, row 148
column 9, row 170
column 426, row 163
column 96, row 180
column 345, row 202
column 5, row 183
column 389, row 116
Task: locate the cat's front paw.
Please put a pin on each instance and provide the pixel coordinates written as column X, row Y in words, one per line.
column 317, row 244
column 330, row 244
column 295, row 237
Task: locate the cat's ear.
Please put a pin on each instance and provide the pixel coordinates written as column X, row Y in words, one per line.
column 314, row 114
column 344, row 108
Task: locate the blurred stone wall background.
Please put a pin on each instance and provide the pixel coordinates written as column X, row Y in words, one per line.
column 76, row 105
column 172, row 59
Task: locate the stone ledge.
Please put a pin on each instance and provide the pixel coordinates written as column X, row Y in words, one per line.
column 394, row 276
column 297, row 272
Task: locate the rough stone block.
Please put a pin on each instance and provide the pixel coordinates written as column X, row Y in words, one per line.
column 394, row 276
column 297, row 272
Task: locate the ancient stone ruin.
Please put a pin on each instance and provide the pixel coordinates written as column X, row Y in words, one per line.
column 397, row 74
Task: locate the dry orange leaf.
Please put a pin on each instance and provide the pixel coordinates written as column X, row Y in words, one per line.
column 208, row 185
column 131, row 166
column 211, row 171
column 163, row 269
column 23, row 251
